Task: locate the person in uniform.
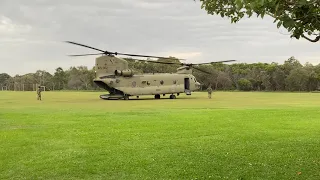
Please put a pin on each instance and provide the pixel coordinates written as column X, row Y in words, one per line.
column 209, row 92
column 39, row 93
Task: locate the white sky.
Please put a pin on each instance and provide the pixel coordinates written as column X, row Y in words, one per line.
column 32, row 34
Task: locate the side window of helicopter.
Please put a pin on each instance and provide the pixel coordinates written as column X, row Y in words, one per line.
column 134, row 84
column 161, row 82
column 146, row 82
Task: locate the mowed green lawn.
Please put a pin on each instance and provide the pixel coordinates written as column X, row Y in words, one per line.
column 234, row 135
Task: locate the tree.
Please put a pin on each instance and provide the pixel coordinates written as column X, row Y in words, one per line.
column 297, row 80
column 312, row 77
column 60, row 78
column 84, row 76
column 278, row 77
column 244, row 84
column 28, row 81
column 74, row 81
column 4, row 77
column 299, row 17
column 291, row 64
column 43, row 78
column 224, row 80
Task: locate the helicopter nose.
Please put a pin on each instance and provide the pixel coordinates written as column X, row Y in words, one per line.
column 198, row 84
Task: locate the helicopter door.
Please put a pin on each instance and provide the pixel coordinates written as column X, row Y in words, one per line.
column 186, row 83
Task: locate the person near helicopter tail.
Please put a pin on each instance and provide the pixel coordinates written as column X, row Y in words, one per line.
column 209, row 89
column 39, row 90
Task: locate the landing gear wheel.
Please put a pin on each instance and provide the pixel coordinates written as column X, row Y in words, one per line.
column 126, row 97
column 172, row 96
column 157, row 96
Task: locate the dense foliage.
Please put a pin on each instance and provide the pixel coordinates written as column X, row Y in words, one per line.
column 300, row 17
column 289, row 76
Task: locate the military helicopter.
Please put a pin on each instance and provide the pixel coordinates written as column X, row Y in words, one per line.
column 114, row 75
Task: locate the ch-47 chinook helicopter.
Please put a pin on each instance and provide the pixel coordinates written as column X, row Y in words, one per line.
column 114, row 75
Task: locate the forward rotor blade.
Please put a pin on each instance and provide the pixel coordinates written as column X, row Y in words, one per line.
column 86, row 46
column 85, row 54
column 201, row 70
column 138, row 55
column 117, row 53
column 159, row 62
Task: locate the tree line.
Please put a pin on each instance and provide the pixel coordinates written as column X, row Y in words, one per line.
column 289, row 76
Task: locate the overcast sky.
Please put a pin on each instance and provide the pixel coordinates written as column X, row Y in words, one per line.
column 32, row 34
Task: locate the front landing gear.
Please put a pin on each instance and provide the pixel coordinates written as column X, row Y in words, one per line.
column 126, row 97
column 157, row 96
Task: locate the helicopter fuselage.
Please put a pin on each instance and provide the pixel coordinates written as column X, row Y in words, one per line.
column 149, row 84
column 114, row 75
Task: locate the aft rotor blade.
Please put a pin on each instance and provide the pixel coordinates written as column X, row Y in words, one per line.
column 85, row 54
column 85, row 46
column 202, row 70
column 216, row 62
column 160, row 62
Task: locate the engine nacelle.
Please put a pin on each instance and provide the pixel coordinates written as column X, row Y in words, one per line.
column 125, row 73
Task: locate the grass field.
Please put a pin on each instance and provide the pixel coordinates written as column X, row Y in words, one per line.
column 240, row 135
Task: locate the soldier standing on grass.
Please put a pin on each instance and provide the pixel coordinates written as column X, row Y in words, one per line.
column 209, row 91
column 39, row 93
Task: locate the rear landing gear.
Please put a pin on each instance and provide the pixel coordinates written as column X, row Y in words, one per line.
column 157, row 96
column 172, row 96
